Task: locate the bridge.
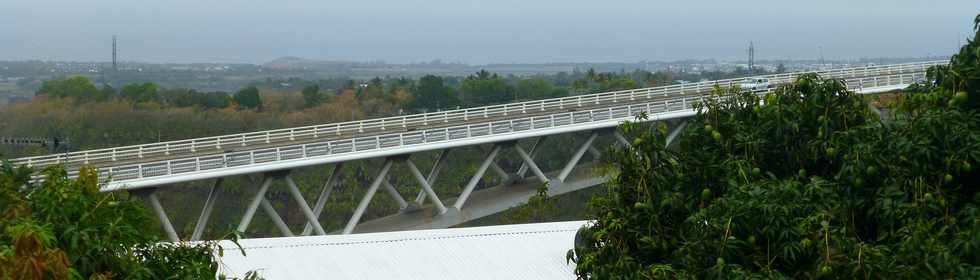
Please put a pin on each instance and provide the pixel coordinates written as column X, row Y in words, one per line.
column 270, row 155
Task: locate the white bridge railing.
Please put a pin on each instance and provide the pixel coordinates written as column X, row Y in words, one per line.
column 636, row 100
column 121, row 174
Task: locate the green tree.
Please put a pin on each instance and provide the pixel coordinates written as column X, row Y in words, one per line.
column 537, row 88
column 485, row 88
column 193, row 98
column 312, row 96
column 78, row 87
column 67, row 229
column 248, row 97
column 537, row 209
column 431, row 94
column 139, row 93
column 809, row 184
column 106, row 93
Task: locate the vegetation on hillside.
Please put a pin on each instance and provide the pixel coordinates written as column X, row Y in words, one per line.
column 805, row 182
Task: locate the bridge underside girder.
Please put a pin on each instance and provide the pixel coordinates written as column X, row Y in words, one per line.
column 472, row 203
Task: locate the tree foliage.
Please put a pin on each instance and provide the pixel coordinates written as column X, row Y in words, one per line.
column 67, row 229
column 140, row 93
column 312, row 96
column 485, row 88
column 805, row 182
column 537, row 89
column 77, row 87
column 807, row 185
column 432, row 94
column 248, row 98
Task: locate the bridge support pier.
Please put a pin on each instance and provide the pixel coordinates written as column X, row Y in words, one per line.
column 168, row 228
column 426, row 186
column 202, row 220
column 535, row 147
column 675, row 132
column 491, row 156
column 557, row 181
column 366, row 200
column 440, row 211
column 254, row 205
column 324, row 195
column 434, row 173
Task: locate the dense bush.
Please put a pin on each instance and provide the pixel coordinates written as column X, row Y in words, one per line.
column 67, row 229
column 807, row 184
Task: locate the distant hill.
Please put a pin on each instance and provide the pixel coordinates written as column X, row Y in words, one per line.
column 292, row 62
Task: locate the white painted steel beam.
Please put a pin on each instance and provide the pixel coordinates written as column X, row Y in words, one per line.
column 426, row 186
column 534, row 151
column 596, row 154
column 676, row 132
column 274, row 216
column 168, row 228
column 621, row 139
column 476, row 177
column 529, row 162
column 576, row 157
column 202, row 220
column 324, row 195
column 303, row 206
column 434, row 173
column 254, row 205
column 390, row 189
column 366, row 200
column 496, row 167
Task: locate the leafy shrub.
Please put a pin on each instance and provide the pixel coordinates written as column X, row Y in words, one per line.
column 67, row 229
column 807, row 184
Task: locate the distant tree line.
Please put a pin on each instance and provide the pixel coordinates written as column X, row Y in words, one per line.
column 379, row 96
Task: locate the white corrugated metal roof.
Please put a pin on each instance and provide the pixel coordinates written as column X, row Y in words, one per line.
column 525, row 251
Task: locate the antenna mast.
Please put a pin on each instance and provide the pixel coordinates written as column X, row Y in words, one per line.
column 114, row 53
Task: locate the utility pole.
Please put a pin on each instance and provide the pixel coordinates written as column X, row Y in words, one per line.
column 820, row 48
column 114, row 69
column 751, row 57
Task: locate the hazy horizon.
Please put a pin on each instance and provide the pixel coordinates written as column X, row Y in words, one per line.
column 477, row 32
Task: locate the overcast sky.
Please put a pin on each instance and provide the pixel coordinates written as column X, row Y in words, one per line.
column 479, row 32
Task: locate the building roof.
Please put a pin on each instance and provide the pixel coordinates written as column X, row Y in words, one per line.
column 524, row 251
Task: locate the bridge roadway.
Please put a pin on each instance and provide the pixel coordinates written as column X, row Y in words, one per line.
column 496, row 199
column 194, row 159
